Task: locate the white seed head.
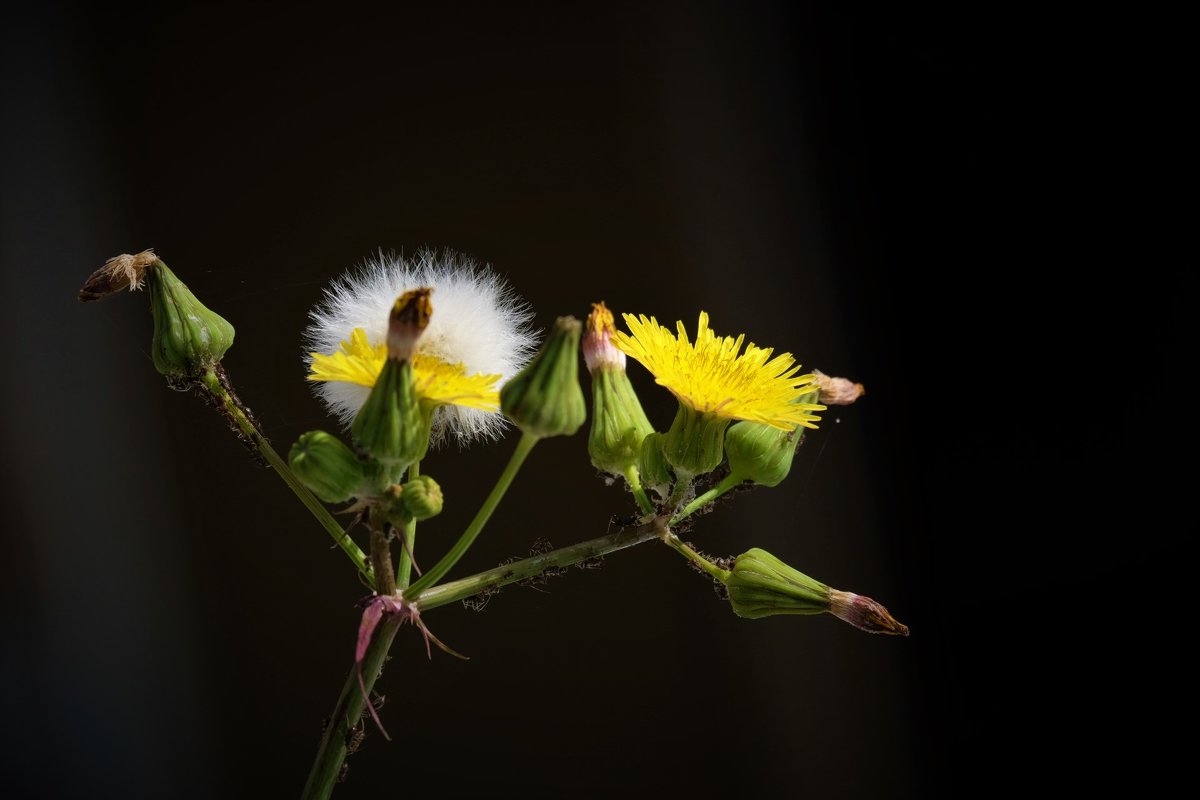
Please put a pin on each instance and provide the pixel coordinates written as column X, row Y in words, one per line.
column 478, row 321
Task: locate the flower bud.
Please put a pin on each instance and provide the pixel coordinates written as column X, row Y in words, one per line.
column 422, row 497
column 544, row 399
column 327, row 467
column 391, row 426
column 654, row 470
column 618, row 422
column 761, row 453
column 188, row 337
column 694, row 444
column 760, row 585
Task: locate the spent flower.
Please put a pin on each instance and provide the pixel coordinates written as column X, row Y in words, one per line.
column 476, row 341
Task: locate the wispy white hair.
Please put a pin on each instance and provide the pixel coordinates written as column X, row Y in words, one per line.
column 478, row 321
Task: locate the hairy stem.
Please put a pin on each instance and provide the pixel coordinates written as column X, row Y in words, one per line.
column 529, row 567
column 217, row 384
column 350, row 705
column 727, row 483
column 348, row 714
column 639, row 493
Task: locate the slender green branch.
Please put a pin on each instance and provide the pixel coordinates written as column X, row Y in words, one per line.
column 348, row 714
column 691, row 555
column 639, row 493
column 409, row 543
column 453, row 591
column 216, row 384
column 727, row 483
column 439, row 570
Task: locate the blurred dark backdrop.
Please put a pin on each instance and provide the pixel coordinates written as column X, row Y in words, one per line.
column 958, row 210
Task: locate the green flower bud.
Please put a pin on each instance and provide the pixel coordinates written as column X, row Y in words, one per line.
column 422, row 497
column 694, row 443
column 544, row 399
column 327, row 466
column 618, row 422
column 760, row 585
column 391, row 426
column 761, row 453
column 188, row 337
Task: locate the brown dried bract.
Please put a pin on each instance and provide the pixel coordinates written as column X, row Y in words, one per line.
column 118, row 274
column 837, row 391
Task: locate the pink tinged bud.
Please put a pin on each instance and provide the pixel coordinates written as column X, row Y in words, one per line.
column 837, row 391
column 598, row 349
column 864, row 613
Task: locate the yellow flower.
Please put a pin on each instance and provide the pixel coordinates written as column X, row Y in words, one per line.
column 436, row 381
column 710, row 377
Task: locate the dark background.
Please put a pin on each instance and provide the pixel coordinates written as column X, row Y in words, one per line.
column 967, row 212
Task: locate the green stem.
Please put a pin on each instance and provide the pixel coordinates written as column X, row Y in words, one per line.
column 515, row 571
column 217, row 385
column 350, row 705
column 348, row 714
column 409, row 543
column 683, row 482
column 473, row 530
column 727, row 483
column 635, row 485
column 691, row 555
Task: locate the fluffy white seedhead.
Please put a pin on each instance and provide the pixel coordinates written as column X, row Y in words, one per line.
column 478, row 321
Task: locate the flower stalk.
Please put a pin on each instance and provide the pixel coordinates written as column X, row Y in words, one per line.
column 217, row 385
column 438, row 571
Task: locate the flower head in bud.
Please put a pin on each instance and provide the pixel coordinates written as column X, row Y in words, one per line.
column 422, row 497
column 760, row 453
column 544, row 399
column 837, row 391
column 618, row 422
column 327, row 466
column 760, row 585
column 478, row 339
column 188, row 337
